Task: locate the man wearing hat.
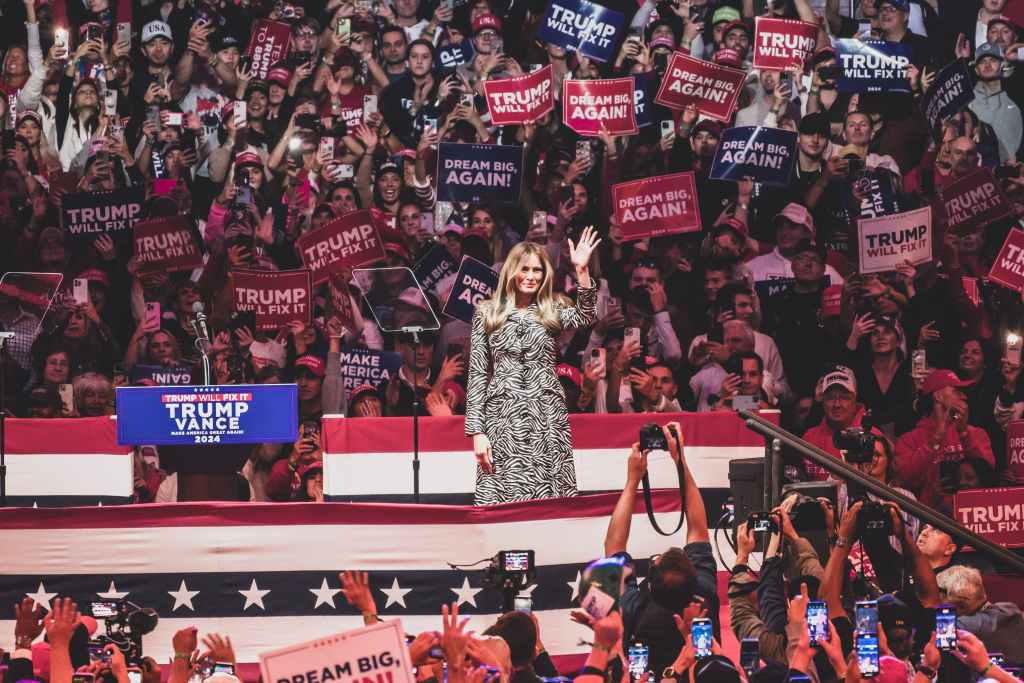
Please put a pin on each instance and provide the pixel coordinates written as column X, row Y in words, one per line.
column 822, row 96
column 842, row 411
column 815, row 174
column 941, row 435
column 774, row 271
column 257, row 99
column 859, row 131
column 894, row 25
column 157, row 48
column 43, row 403
column 1002, row 31
column 992, row 104
column 697, row 157
column 792, row 318
column 736, row 36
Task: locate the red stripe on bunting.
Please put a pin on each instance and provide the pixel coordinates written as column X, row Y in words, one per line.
column 64, row 436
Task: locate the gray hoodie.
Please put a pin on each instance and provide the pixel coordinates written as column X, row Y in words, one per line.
column 999, row 111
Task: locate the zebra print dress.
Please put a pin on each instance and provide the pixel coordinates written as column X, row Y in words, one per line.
column 515, row 398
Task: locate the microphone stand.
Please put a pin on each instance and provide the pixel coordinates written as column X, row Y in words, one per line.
column 415, row 331
column 199, row 346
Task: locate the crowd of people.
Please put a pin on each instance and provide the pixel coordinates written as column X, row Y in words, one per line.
column 673, row 612
column 764, row 308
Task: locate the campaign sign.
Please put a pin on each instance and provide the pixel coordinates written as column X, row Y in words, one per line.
column 166, row 245
column 341, row 299
column 948, row 95
column 641, row 102
column 346, row 242
column 268, row 45
column 713, row 88
column 277, row 296
column 780, row 44
column 465, row 173
column 873, row 66
column 887, row 241
column 433, row 267
column 163, row 375
column 662, row 205
column 1015, row 451
column 974, row 201
column 474, row 283
column 581, row 26
column 514, row 101
column 1008, row 269
column 387, row 225
column 453, row 55
column 368, row 366
column 881, row 199
column 241, row 413
column 764, row 154
column 589, row 105
column 994, row 514
column 375, row 653
column 87, row 215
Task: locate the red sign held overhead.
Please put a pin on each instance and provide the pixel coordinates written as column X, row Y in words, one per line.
column 166, row 245
column 974, row 201
column 780, row 44
column 586, row 105
column 514, row 101
column 278, row 297
column 713, row 88
column 663, row 205
column 346, row 242
column 1008, row 270
column 268, row 45
column 341, row 299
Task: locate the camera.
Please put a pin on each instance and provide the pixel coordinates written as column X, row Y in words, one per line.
column 512, row 569
column 123, row 629
column 874, row 519
column 858, row 442
column 762, row 523
column 652, row 438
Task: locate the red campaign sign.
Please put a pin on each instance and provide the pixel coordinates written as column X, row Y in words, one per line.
column 994, row 514
column 974, row 201
column 779, row 44
column 268, row 45
column 278, row 297
column 166, row 245
column 1015, row 451
column 346, row 242
column 387, row 225
column 663, row 205
column 1008, row 270
column 514, row 101
column 588, row 104
column 713, row 88
column 341, row 299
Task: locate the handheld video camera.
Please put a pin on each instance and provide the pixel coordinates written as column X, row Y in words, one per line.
column 512, row 569
column 858, row 442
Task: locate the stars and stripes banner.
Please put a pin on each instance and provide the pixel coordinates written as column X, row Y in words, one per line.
column 267, row 574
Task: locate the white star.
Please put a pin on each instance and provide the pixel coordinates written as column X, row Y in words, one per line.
column 575, row 586
column 112, row 594
column 324, row 595
column 528, row 592
column 466, row 593
column 395, row 594
column 41, row 597
column 254, row 596
column 183, row 596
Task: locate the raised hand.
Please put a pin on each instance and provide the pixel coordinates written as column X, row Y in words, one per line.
column 580, row 252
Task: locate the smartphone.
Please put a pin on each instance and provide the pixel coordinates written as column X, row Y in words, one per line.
column 239, row 319
column 309, row 428
column 224, row 668
column 81, row 291
column 303, row 57
column 598, row 362
column 746, row 403
column 466, row 98
column 83, row 678
column 614, row 305
column 867, row 616
column 95, row 33
column 103, row 157
column 639, row 659
column 161, row 80
column 436, row 652
column 121, row 369
column 347, row 171
column 60, row 37
column 153, row 115
column 369, row 106
column 1001, row 172
column 429, row 124
column 667, row 128
column 307, row 121
column 153, row 311
column 854, row 165
column 497, row 46
column 454, row 351
column 830, row 73
column 540, row 220
column 522, row 603
column 1013, row 346
column 702, row 637
column 243, row 195
column 345, row 30
column 661, row 61
column 750, row 655
column 928, row 182
column 867, row 655
column 786, row 81
column 302, row 192
column 817, row 622
column 134, row 675
column 240, row 115
column 7, row 139
column 567, row 193
column 918, row 364
column 295, row 152
column 427, row 222
column 124, row 33
column 117, row 131
column 997, row 658
column 945, row 628
column 635, row 33
column 327, row 147
column 110, row 100
column 582, row 149
column 631, row 334
column 175, row 119
column 67, row 395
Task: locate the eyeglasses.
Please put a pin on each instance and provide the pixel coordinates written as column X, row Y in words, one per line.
column 840, row 398
column 305, row 34
column 809, row 259
column 887, row 9
column 487, row 34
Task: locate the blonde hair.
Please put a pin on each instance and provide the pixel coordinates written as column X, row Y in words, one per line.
column 503, row 303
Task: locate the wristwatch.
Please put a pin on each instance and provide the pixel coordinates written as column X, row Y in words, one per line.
column 671, row 674
column 840, row 542
column 922, row 669
column 23, row 643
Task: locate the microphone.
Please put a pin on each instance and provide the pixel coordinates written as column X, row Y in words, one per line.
column 197, row 310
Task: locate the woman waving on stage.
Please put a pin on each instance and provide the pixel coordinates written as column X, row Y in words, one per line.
column 515, row 408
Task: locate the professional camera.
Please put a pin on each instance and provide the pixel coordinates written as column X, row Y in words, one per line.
column 858, row 442
column 652, row 438
column 762, row 523
column 123, row 629
column 874, row 519
column 514, row 569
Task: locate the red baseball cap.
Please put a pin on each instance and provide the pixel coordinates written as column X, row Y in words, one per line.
column 477, row 232
column 95, row 275
column 455, row 389
column 318, row 465
column 728, row 57
column 281, row 76
column 248, row 159
column 362, row 389
column 569, row 371
column 396, row 249
column 942, row 378
column 486, row 21
column 315, row 365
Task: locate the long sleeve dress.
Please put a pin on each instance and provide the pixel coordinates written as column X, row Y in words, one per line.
column 515, row 398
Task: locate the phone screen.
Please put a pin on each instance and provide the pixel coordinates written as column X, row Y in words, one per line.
column 522, row 603
column 817, row 622
column 702, row 637
column 639, row 659
column 134, row 676
column 867, row 655
column 867, row 616
column 750, row 655
column 945, row 627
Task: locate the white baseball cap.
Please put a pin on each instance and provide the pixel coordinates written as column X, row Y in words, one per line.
column 156, row 29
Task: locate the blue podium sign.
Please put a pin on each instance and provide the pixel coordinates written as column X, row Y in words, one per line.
column 189, row 415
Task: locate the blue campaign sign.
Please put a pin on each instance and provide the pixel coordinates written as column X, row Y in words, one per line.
column 949, row 94
column 581, row 26
column 465, row 173
column 368, row 366
column 641, row 103
column 434, row 266
column 764, row 154
column 881, row 186
column 241, row 413
column 873, row 66
column 163, row 374
column 453, row 55
column 474, row 283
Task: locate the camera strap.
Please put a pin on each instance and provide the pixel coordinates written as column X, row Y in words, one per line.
column 682, row 500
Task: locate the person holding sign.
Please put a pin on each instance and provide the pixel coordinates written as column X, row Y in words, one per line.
column 515, row 411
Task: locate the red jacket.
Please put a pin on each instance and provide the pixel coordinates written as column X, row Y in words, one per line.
column 282, row 484
column 918, row 462
column 821, row 437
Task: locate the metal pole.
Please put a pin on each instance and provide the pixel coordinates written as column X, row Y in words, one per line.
column 415, row 422
column 836, row 466
column 776, row 473
column 769, row 484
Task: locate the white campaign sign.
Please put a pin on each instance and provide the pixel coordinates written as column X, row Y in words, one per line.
column 375, row 654
column 889, row 240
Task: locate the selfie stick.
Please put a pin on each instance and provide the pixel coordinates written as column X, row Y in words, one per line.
column 3, row 415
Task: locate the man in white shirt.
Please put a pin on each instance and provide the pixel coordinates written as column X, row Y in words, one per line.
column 773, row 272
column 738, row 337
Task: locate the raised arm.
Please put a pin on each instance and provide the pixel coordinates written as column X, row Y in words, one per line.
column 696, row 517
column 622, row 516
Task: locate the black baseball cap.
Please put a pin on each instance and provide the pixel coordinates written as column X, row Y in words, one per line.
column 815, row 123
